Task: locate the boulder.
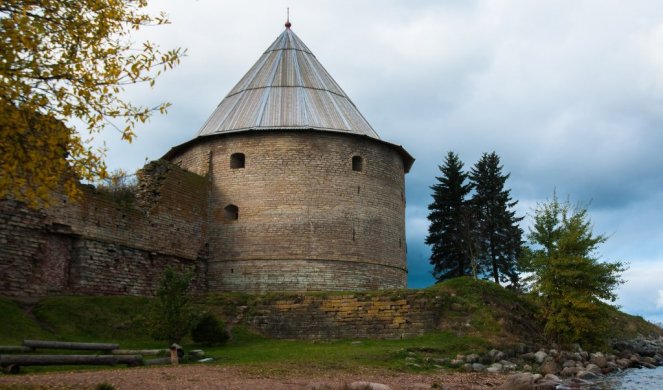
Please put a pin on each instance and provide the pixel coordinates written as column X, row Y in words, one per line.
column 472, row 358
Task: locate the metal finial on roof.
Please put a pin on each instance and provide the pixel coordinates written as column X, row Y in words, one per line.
column 287, row 21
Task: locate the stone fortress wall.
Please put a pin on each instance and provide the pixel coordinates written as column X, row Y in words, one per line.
column 104, row 246
column 302, row 210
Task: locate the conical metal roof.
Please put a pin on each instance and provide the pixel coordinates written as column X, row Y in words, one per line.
column 287, row 89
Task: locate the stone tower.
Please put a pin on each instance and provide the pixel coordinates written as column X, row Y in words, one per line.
column 304, row 194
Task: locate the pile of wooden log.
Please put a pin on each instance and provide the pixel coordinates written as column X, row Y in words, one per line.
column 13, row 357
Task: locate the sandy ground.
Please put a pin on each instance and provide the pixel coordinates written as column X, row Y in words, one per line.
column 216, row 377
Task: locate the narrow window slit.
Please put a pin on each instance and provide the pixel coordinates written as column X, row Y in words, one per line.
column 357, row 163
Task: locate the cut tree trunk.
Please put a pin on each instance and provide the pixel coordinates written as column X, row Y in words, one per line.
column 69, row 345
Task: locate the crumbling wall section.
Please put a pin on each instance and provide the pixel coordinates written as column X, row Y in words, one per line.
column 104, row 245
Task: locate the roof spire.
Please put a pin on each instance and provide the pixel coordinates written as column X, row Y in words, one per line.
column 287, row 21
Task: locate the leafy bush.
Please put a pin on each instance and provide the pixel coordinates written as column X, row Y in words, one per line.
column 209, row 331
column 172, row 314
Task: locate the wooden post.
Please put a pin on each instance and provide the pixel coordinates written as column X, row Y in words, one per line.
column 175, row 352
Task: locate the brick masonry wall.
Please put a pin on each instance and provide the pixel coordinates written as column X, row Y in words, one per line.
column 307, row 220
column 389, row 314
column 100, row 245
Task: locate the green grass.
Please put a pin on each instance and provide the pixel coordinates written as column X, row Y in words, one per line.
column 77, row 318
column 249, row 349
column 17, row 323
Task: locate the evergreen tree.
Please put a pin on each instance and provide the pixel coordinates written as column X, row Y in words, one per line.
column 447, row 233
column 499, row 238
column 568, row 276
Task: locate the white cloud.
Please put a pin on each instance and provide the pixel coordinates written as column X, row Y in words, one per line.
column 659, row 302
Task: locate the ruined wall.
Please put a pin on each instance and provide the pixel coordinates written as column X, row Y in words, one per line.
column 105, row 245
column 307, row 219
column 390, row 314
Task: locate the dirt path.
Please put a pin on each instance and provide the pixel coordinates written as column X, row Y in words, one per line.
column 231, row 378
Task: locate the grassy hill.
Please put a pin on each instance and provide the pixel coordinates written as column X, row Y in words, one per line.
column 477, row 316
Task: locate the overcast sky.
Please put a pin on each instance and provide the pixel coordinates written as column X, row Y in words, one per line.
column 569, row 93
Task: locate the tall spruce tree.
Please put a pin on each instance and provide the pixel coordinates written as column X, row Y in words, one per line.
column 449, row 222
column 499, row 238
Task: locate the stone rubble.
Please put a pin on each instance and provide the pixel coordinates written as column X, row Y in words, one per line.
column 557, row 369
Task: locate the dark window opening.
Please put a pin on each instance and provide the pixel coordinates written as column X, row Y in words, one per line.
column 232, row 270
column 357, row 163
column 400, row 243
column 358, row 189
column 231, row 212
column 237, row 160
column 353, row 234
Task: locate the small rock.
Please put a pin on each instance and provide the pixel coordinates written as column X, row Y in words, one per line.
column 523, row 381
column 547, row 385
column 586, row 375
column 527, row 368
column 593, row 368
column 467, row 367
column 494, row 368
column 537, row 377
column 540, row 356
column 508, row 366
column 496, row 355
column 367, row 386
column 356, row 343
column 478, row 367
column 529, row 356
column 472, row 358
column 549, row 367
column 569, row 363
column 197, row 353
column 457, row 362
column 623, row 363
column 552, row 377
column 569, row 372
